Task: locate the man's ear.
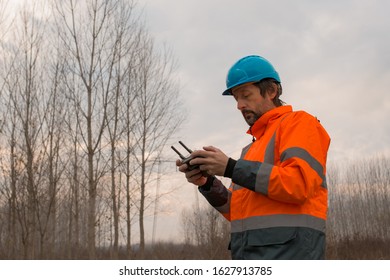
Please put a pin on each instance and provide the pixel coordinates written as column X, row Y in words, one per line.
column 272, row 92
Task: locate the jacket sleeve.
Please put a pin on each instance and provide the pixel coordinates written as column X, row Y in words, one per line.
column 300, row 152
column 217, row 195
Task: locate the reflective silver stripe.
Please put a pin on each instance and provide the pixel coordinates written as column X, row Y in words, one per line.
column 279, row 220
column 304, row 155
column 245, row 150
column 269, row 156
column 225, row 209
column 260, row 170
column 262, row 178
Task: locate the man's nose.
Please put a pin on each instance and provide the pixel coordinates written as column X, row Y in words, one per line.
column 240, row 104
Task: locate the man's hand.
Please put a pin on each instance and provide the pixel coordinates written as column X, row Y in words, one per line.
column 211, row 160
column 194, row 176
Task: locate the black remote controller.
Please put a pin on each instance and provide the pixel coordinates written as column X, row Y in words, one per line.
column 186, row 160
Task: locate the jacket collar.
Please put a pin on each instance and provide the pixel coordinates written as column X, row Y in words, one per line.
column 258, row 128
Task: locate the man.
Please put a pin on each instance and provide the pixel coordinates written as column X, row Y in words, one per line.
column 277, row 201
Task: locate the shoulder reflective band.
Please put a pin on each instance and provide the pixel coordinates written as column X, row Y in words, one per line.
column 304, row 155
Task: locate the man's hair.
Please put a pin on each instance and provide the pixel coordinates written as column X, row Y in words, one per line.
column 267, row 85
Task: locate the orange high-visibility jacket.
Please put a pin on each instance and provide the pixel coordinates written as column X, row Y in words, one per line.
column 279, row 181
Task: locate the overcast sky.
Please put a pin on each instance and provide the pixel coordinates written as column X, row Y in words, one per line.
column 332, row 56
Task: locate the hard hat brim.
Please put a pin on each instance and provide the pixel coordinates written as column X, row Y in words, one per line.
column 273, row 75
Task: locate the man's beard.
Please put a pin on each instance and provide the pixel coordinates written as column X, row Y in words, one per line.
column 250, row 116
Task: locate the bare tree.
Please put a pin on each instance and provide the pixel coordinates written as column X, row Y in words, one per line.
column 53, row 140
column 129, row 121
column 126, row 33
column 27, row 102
column 83, row 35
column 98, row 36
column 359, row 212
column 208, row 230
column 11, row 170
column 157, row 107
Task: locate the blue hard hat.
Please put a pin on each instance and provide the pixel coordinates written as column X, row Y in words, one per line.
column 248, row 69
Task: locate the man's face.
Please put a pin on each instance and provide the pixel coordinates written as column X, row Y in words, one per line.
column 250, row 102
